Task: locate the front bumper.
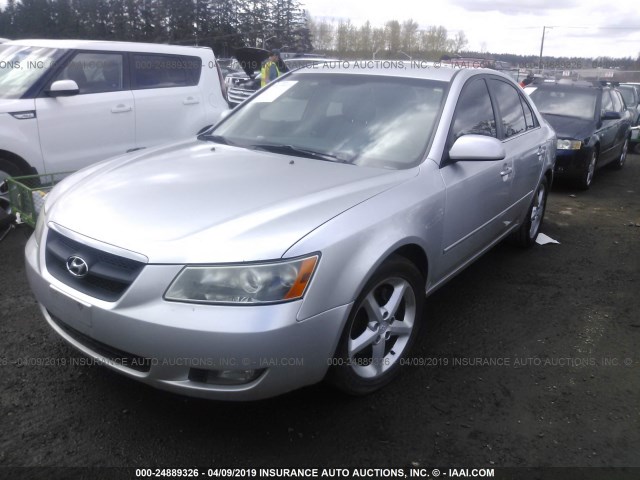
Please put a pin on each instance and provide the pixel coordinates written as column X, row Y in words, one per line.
column 572, row 163
column 177, row 339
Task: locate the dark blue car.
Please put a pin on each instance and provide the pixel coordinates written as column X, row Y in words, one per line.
column 593, row 126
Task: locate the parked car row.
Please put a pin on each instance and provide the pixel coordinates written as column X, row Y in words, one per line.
column 631, row 94
column 593, row 126
column 295, row 240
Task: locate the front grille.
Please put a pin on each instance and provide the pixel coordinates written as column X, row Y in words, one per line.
column 108, row 276
column 126, row 359
column 238, row 95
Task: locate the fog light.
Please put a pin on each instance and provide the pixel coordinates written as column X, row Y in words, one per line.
column 224, row 377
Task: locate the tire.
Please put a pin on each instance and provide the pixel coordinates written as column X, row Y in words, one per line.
column 380, row 330
column 7, row 169
column 526, row 235
column 584, row 182
column 618, row 164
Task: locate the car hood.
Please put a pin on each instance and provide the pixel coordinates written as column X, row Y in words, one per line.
column 250, row 59
column 571, row 127
column 200, row 202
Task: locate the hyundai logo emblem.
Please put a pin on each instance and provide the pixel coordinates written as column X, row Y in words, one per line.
column 77, row 266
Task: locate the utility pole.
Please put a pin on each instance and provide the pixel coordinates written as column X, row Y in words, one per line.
column 541, row 47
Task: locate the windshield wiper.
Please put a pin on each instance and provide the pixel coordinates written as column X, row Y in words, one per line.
column 214, row 138
column 293, row 150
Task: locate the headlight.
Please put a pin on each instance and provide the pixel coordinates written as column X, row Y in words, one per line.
column 244, row 284
column 569, row 144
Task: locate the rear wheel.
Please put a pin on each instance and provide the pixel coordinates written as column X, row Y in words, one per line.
column 381, row 328
column 618, row 164
column 526, row 235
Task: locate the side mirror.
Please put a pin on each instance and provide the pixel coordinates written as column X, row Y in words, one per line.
column 609, row 115
column 63, row 88
column 477, row 147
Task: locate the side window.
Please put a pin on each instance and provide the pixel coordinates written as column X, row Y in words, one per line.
column 529, row 117
column 164, row 71
column 510, row 107
column 95, row 72
column 607, row 103
column 474, row 114
column 618, row 103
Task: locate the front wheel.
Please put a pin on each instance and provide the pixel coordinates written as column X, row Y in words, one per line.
column 381, row 328
column 527, row 233
column 584, row 182
column 7, row 169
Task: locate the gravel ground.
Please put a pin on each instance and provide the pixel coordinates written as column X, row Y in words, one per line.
column 528, row 358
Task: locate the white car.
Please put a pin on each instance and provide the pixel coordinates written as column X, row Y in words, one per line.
column 65, row 104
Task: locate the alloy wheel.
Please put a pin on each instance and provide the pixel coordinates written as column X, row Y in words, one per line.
column 382, row 327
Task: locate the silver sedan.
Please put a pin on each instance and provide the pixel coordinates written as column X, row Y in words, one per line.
column 294, row 241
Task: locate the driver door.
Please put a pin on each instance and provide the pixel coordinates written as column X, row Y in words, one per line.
column 478, row 193
column 95, row 124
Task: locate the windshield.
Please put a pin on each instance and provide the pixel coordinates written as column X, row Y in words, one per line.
column 565, row 102
column 628, row 93
column 376, row 121
column 21, row 67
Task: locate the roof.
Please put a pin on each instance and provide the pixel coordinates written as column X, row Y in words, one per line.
column 104, row 45
column 397, row 68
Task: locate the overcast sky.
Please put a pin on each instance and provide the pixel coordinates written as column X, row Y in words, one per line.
column 510, row 26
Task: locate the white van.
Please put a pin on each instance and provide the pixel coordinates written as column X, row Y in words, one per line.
column 65, row 104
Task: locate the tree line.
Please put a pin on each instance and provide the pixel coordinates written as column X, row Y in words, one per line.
column 393, row 40
column 226, row 25
column 221, row 24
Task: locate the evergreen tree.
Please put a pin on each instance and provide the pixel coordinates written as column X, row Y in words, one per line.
column 8, row 24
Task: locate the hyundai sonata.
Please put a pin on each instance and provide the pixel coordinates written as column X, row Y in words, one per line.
column 294, row 241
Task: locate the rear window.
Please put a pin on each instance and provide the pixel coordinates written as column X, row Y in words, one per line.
column 165, row 71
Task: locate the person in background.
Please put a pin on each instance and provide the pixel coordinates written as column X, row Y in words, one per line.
column 270, row 70
column 527, row 80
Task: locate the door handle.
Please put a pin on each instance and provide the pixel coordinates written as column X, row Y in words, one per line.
column 541, row 151
column 121, row 108
column 190, row 101
column 506, row 170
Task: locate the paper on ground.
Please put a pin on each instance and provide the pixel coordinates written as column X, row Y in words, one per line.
column 543, row 239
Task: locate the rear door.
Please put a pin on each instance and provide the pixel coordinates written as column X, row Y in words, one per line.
column 624, row 124
column 169, row 104
column 478, row 193
column 524, row 142
column 96, row 124
column 608, row 130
